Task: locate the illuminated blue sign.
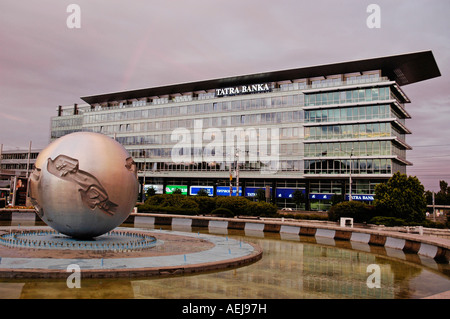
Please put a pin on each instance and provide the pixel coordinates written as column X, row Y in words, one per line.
column 225, row 191
column 361, row 197
column 287, row 192
column 251, row 191
column 321, row 196
column 195, row 189
column 329, row 196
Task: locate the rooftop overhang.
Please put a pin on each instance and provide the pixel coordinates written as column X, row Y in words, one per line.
column 404, row 69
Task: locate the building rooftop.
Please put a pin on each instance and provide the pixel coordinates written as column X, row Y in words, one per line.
column 404, row 69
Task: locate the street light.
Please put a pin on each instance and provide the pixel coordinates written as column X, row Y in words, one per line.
column 350, row 175
column 144, row 170
column 234, row 162
column 237, row 172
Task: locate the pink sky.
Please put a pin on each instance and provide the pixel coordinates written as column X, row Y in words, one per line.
column 137, row 44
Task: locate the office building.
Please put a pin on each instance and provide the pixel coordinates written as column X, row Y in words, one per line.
column 316, row 129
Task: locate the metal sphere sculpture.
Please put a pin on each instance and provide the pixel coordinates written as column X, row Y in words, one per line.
column 84, row 185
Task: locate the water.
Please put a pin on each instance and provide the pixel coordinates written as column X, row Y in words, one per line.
column 291, row 268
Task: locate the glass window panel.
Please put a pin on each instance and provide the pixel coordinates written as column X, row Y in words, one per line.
column 319, row 115
column 336, row 97
column 376, row 166
column 324, row 131
column 384, row 93
column 307, row 113
column 374, row 94
column 330, row 98
column 362, row 130
column 347, row 131
column 331, row 132
column 369, row 129
column 349, row 114
column 368, row 95
column 362, row 113
column 348, row 96
column 342, row 97
column 363, row 166
column 355, row 131
column 336, row 131
column 388, row 165
column 376, row 129
column 361, row 95
column 276, row 101
column 343, row 116
column 336, row 114
column 375, row 109
column 369, row 113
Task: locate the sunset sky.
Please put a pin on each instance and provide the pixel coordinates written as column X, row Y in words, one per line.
column 133, row 44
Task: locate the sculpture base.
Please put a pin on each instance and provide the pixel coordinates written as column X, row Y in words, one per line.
column 51, row 239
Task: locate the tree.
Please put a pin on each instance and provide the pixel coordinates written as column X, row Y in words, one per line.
column 150, row 192
column 402, row 197
column 202, row 192
column 337, row 198
column 443, row 185
column 298, row 197
column 443, row 196
column 177, row 191
column 260, row 195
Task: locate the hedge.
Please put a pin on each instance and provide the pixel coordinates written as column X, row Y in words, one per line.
column 360, row 212
column 387, row 221
column 223, row 212
column 190, row 205
column 170, row 203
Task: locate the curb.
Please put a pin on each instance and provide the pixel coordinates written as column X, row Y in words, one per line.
column 427, row 246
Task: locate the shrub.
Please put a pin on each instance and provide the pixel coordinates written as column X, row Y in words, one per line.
column 262, row 209
column 359, row 211
column 205, row 204
column 221, row 211
column 180, row 204
column 238, row 205
column 387, row 221
column 169, row 210
column 170, row 203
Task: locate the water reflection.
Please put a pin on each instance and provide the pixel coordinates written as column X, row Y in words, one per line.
column 291, row 267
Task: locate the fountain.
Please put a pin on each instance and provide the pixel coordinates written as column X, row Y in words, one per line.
column 83, row 187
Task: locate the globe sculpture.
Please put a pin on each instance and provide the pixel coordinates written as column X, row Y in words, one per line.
column 84, row 184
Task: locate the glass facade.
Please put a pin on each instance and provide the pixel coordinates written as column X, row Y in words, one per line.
column 349, row 96
column 309, row 128
column 19, row 161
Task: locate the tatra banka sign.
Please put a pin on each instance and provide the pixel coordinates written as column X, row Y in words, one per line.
column 243, row 89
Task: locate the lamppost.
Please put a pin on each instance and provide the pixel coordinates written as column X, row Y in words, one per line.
column 234, row 161
column 237, row 171
column 231, row 178
column 144, row 170
column 350, row 175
